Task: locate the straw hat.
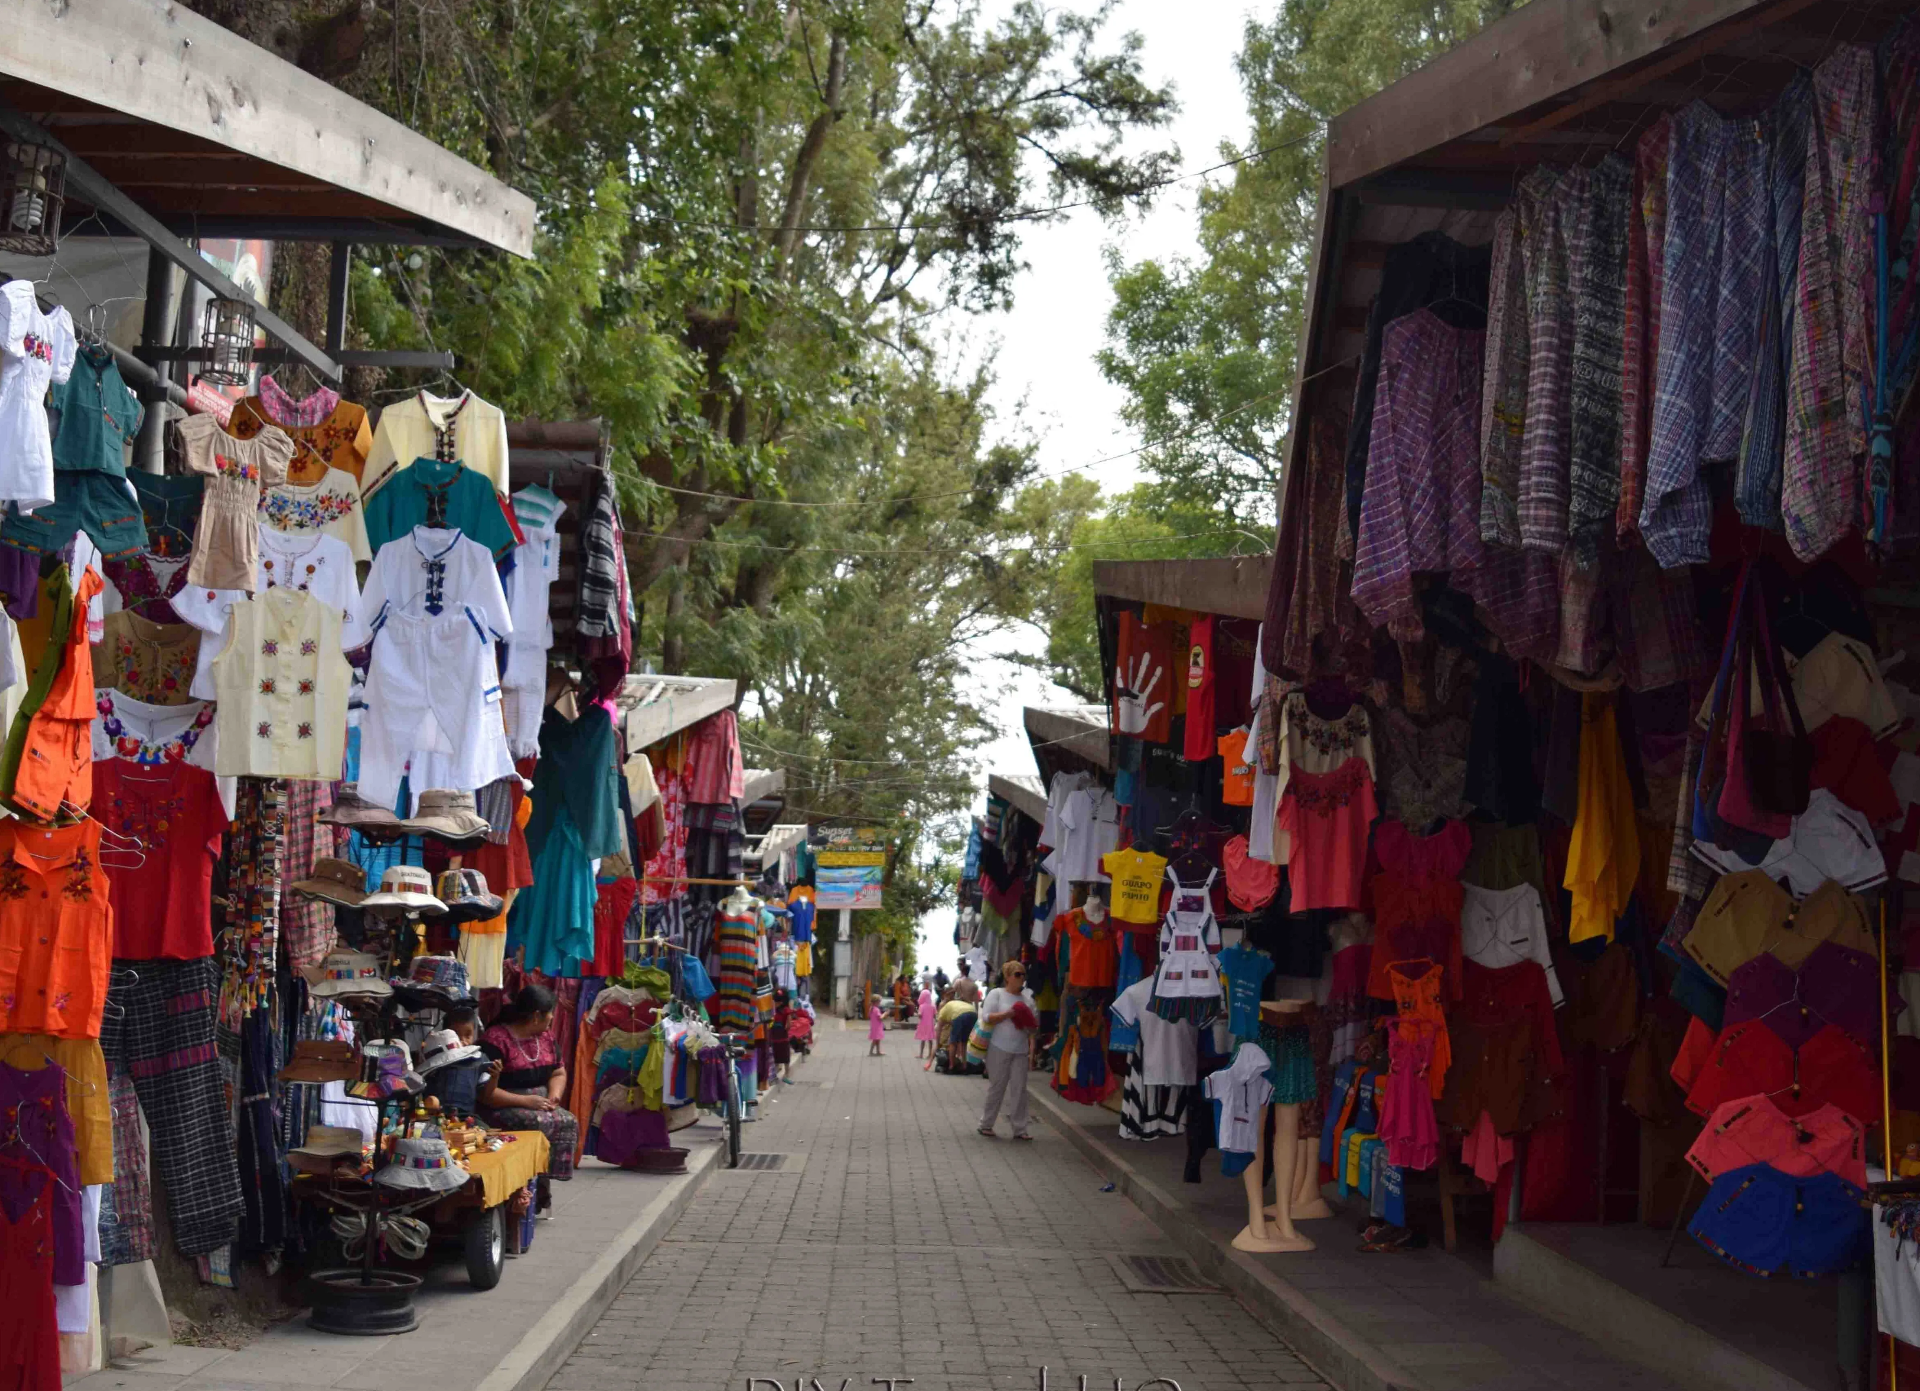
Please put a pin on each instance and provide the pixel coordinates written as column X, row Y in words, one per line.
column 404, row 889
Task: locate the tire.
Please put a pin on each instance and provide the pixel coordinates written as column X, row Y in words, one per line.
column 352, row 1303
column 485, row 1244
column 733, row 1118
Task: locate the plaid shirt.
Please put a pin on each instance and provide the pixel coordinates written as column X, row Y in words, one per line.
column 1547, row 204
column 1597, row 279
column 1421, row 507
column 1756, row 486
column 1503, row 392
column 1676, row 515
column 1656, row 622
column 1646, row 257
column 1831, row 363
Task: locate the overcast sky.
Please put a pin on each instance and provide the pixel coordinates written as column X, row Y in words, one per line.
column 1044, row 347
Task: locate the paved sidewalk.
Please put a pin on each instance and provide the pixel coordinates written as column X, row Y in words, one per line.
column 509, row 1338
column 905, row 1245
column 1415, row 1321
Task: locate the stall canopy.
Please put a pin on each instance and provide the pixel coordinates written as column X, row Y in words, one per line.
column 173, row 127
column 1068, row 737
column 1231, row 585
column 1022, row 791
column 658, row 707
column 1556, row 81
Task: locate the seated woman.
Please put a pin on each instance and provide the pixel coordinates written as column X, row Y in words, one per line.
column 527, row 1092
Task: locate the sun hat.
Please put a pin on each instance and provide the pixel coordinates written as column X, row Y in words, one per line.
column 446, row 814
column 335, row 881
column 442, row 1048
column 353, row 811
column 425, row 1164
column 447, row 974
column 346, row 972
column 404, row 889
column 326, row 1148
column 464, row 891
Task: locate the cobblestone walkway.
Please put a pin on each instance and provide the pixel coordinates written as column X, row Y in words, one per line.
column 905, row 1245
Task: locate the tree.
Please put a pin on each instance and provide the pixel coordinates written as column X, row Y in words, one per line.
column 1205, row 348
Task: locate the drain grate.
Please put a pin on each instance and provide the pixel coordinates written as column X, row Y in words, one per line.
column 764, row 1162
column 1162, row 1275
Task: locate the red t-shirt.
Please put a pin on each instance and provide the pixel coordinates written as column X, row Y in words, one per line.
column 1145, row 656
column 1847, row 762
column 162, row 906
column 1201, row 685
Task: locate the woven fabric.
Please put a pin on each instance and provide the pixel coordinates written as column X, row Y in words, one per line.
column 1549, row 202
column 126, row 1204
column 1646, row 261
column 251, row 947
column 1503, row 400
column 1597, row 279
column 159, row 1029
column 1832, row 345
column 1676, row 515
column 306, row 924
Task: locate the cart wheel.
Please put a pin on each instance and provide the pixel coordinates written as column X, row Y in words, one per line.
column 733, row 1118
column 485, row 1241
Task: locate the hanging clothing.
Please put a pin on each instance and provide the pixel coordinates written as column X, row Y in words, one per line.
column 144, row 584
column 1327, row 816
column 536, row 565
column 162, row 894
column 1187, row 984
column 48, row 761
column 282, row 685
column 1603, row 858
column 170, row 508
column 148, row 660
column 317, row 565
column 226, row 544
column 575, row 821
column 41, row 1238
column 440, row 496
column 1646, row 262
column 327, row 432
column 329, row 505
column 463, row 428
column 1407, row 1122
column 37, row 350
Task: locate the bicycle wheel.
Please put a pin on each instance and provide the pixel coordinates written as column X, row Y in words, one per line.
column 733, row 1117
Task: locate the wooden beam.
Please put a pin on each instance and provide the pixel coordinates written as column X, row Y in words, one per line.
column 1231, row 585
column 83, row 179
column 1600, row 93
column 1538, row 51
column 162, row 64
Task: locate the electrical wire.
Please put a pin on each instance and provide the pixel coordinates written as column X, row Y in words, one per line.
column 981, row 552
column 1175, row 438
column 1025, row 215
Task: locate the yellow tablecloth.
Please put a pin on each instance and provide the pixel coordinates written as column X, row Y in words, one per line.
column 505, row 1171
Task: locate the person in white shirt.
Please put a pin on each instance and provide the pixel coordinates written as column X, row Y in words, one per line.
column 1008, row 1049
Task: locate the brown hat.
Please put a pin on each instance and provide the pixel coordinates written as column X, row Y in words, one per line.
column 320, row 1060
column 353, row 811
column 336, row 881
column 446, row 815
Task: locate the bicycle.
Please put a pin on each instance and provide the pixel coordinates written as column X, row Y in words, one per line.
column 733, row 1110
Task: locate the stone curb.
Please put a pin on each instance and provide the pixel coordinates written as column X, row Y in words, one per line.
column 1347, row 1360
column 551, row 1341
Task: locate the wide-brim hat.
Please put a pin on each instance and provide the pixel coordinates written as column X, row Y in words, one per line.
column 465, row 893
column 356, row 813
column 404, row 889
column 336, row 881
column 395, row 1074
column 350, row 973
column 443, row 1048
column 447, row 815
column 425, row 1164
column 331, row 1142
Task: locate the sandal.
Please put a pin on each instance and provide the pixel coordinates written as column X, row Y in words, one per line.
column 1027, row 1138
column 988, row 1133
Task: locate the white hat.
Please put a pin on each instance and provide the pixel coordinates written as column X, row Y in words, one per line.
column 442, row 1048
column 407, row 889
column 426, row 1164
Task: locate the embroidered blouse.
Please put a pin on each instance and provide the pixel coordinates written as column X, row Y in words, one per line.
column 145, row 584
column 330, row 504
column 430, row 571
column 36, row 350
column 226, row 546
column 149, row 661
column 282, row 687
column 461, row 428
column 327, row 433
column 317, row 565
column 1327, row 817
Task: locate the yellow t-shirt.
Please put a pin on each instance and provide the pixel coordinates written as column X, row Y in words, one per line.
column 1136, row 876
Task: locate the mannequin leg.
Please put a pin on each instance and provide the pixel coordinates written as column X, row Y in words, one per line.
column 1278, row 1234
column 1307, row 1202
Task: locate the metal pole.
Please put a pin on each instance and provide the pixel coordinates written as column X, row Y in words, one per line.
column 156, row 328
column 337, row 298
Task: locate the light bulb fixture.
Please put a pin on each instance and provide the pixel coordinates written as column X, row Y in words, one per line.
column 226, row 339
column 33, row 190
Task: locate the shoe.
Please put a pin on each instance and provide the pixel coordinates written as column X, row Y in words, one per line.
column 786, row 1081
column 988, row 1133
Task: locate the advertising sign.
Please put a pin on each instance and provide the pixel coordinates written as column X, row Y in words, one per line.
column 851, row 866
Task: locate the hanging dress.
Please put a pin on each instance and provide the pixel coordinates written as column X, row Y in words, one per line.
column 734, row 1008
column 1187, row 984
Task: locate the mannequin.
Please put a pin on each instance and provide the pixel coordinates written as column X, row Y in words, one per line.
column 1095, row 906
column 739, row 902
column 1270, row 1226
column 1306, row 1204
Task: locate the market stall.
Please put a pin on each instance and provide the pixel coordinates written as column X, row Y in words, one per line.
column 1555, row 770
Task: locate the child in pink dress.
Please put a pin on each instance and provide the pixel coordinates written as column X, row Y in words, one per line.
column 924, row 1033
column 876, row 1026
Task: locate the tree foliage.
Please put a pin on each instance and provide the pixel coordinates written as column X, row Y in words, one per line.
column 748, row 212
